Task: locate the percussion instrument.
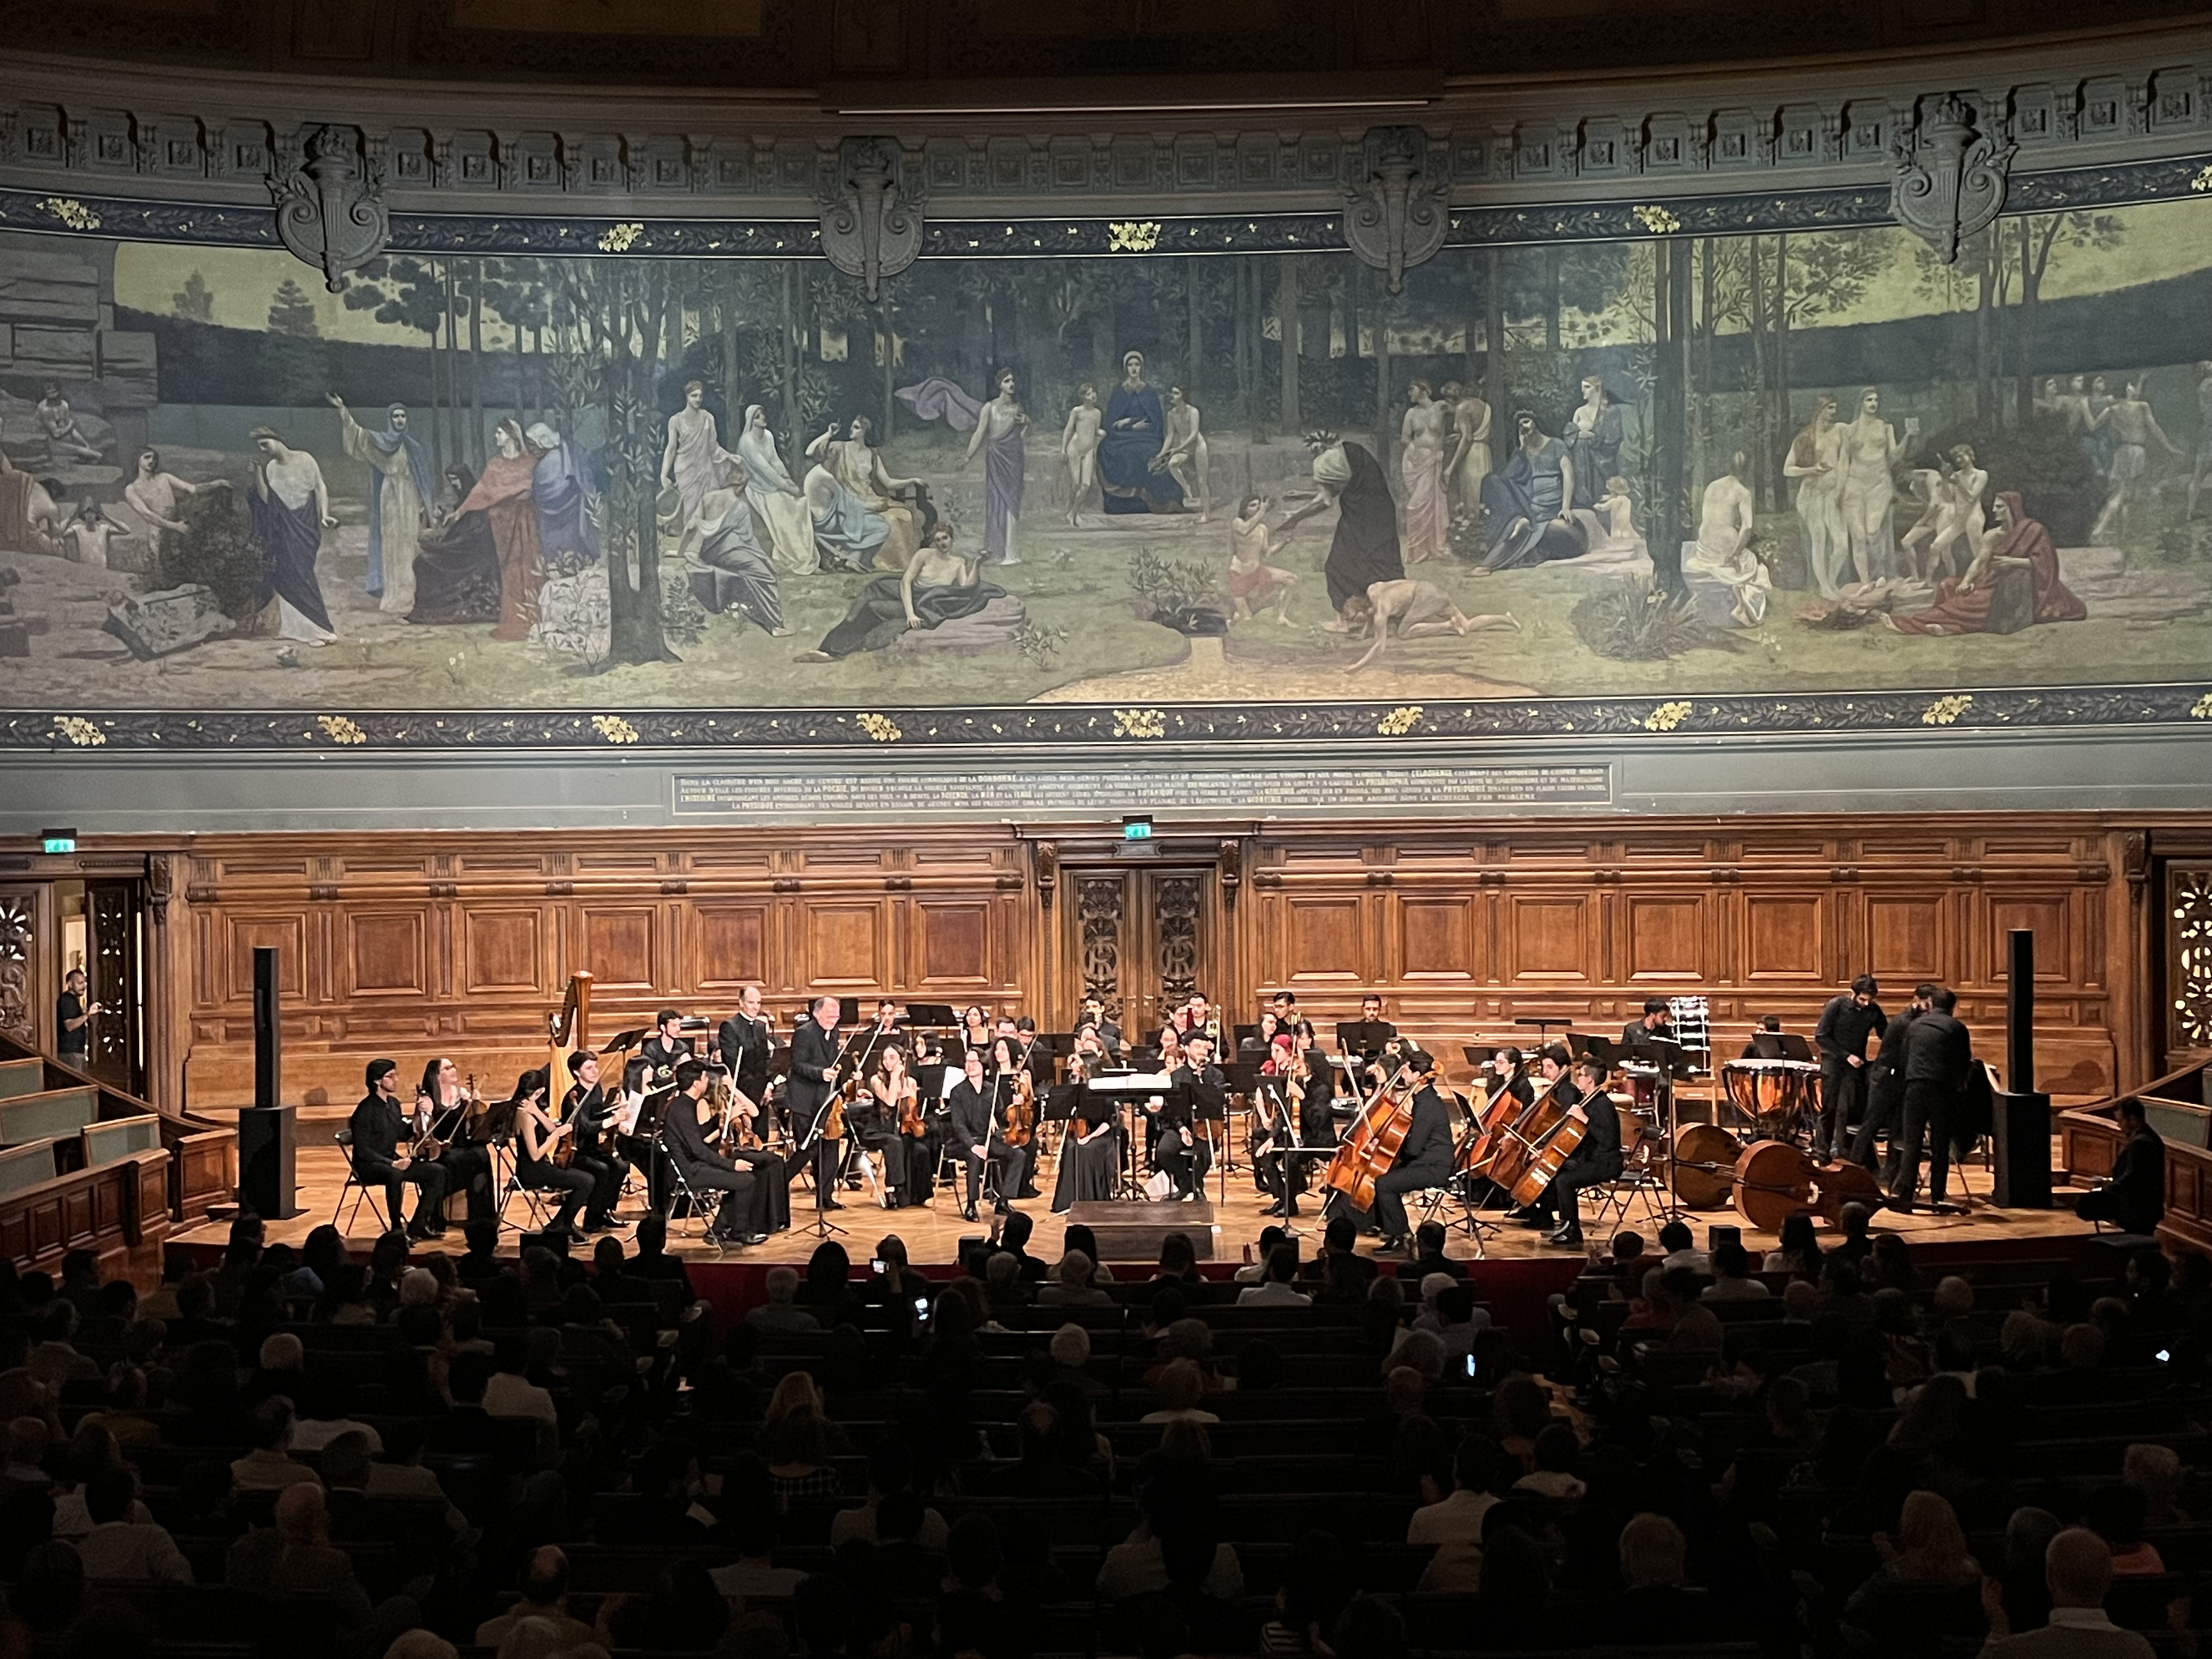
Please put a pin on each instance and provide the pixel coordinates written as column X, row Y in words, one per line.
column 1777, row 1096
column 1642, row 1082
column 1705, row 1166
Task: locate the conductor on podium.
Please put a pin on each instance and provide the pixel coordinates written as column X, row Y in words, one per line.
column 1425, row 1156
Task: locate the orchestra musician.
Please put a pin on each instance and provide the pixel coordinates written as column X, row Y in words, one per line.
column 975, row 1026
column 1765, row 1043
column 444, row 1109
column 1037, row 1062
column 1425, row 1156
column 1376, row 1032
column 975, row 1132
column 1840, row 1039
column 873, row 1120
column 1657, row 1024
column 1597, row 1159
column 586, row 1107
column 745, row 1042
column 1090, row 1150
column 1509, row 1071
column 885, row 1025
column 1886, row 1084
column 1196, row 1092
column 746, row 1210
column 1006, row 1066
column 1196, row 1018
column 666, row 1049
column 1283, row 1075
column 814, row 1053
column 1109, row 1034
column 382, row 1140
column 535, row 1135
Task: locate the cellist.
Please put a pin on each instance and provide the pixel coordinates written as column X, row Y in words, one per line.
column 1597, row 1159
column 1425, row 1156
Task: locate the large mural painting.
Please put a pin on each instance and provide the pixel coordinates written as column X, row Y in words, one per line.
column 1774, row 464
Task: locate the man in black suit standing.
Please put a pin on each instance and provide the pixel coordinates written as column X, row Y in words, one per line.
column 1595, row 1160
column 1886, row 1083
column 1425, row 1156
column 743, row 1042
column 1939, row 1058
column 379, row 1127
column 973, row 1123
column 1840, row 1039
column 814, row 1080
column 1196, row 1091
column 2134, row 1200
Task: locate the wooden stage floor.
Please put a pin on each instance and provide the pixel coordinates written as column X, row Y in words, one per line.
column 933, row 1233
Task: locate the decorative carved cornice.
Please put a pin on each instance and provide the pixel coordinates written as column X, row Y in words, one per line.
column 2063, row 105
column 1948, row 178
column 329, row 208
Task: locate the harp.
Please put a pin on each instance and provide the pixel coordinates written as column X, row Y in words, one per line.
column 570, row 1032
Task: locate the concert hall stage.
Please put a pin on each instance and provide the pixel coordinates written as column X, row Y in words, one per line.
column 1520, row 1268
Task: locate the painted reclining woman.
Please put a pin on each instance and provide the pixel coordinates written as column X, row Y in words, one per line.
column 938, row 586
column 1963, row 604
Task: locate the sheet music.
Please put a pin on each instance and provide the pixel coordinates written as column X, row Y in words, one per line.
column 1131, row 1083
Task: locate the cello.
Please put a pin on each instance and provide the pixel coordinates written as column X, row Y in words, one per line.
column 1371, row 1145
column 1534, row 1146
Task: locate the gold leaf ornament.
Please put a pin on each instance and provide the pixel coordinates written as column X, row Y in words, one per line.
column 613, row 728
column 1667, row 716
column 1139, row 723
column 71, row 212
column 1655, row 219
column 1133, row 235
column 340, row 730
column 1945, row 711
column 620, row 239
column 2202, row 708
column 1400, row 720
column 881, row 727
column 2203, row 181
column 79, row 731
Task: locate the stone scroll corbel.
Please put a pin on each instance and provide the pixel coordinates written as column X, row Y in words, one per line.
column 329, row 207
column 871, row 221
column 1397, row 216
column 1948, row 176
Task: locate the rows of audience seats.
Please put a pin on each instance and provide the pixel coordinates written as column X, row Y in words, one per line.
column 1829, row 1454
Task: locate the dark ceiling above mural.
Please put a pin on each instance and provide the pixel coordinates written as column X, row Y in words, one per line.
column 801, row 43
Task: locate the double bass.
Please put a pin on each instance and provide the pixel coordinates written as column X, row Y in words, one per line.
column 1371, row 1145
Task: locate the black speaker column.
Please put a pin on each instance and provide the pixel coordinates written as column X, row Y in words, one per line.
column 2023, row 1117
column 267, row 1138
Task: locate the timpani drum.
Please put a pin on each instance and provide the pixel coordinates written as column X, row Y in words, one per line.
column 1778, row 1097
column 1642, row 1087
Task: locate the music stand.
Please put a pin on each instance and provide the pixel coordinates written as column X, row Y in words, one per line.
column 1543, row 1023
column 1796, row 1048
column 1364, row 1037
column 931, row 1013
column 1673, row 1065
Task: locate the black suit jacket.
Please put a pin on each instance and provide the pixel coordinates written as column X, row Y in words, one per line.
column 1889, row 1063
column 1633, row 1035
column 1428, row 1142
column 588, row 1110
column 970, row 1111
column 377, row 1126
column 813, row 1067
column 686, row 1135
column 1601, row 1134
column 744, row 1045
column 1937, row 1049
column 1844, row 1027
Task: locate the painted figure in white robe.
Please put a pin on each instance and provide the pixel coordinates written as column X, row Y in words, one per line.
column 777, row 500
column 1421, row 470
column 399, row 503
column 1815, row 460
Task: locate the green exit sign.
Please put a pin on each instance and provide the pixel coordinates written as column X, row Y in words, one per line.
column 1137, row 829
column 59, row 844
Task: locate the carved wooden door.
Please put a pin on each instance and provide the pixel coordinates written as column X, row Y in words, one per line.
column 2187, row 918
column 1144, row 939
column 26, row 997
column 114, row 912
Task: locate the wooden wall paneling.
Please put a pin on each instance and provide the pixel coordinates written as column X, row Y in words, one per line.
column 506, row 948
column 1663, row 937
column 1323, row 938
column 1433, row 938
column 846, row 946
column 1784, row 939
column 952, row 944
column 620, row 945
column 386, row 955
column 1910, row 936
column 244, row 934
column 728, row 945
column 1551, row 939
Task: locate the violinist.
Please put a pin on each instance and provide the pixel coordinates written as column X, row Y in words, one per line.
column 743, row 1215
column 1276, row 1128
column 745, row 1042
column 444, row 1109
column 975, row 1026
column 382, row 1140
column 813, row 1081
column 1425, row 1156
column 874, row 1122
column 586, row 1107
column 975, row 1132
column 1316, row 1088
column 1596, row 1161
column 536, row 1136
column 1196, row 1092
column 1090, row 1152
column 1012, row 1087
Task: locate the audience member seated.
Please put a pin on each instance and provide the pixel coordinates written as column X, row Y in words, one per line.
column 120, row 1547
column 1278, row 1288
column 1732, row 1279
column 1452, row 1521
column 781, row 1313
column 1071, row 1284
column 269, row 1466
column 2078, row 1573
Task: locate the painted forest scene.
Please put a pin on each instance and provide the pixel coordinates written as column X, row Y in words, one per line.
column 1778, row 463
